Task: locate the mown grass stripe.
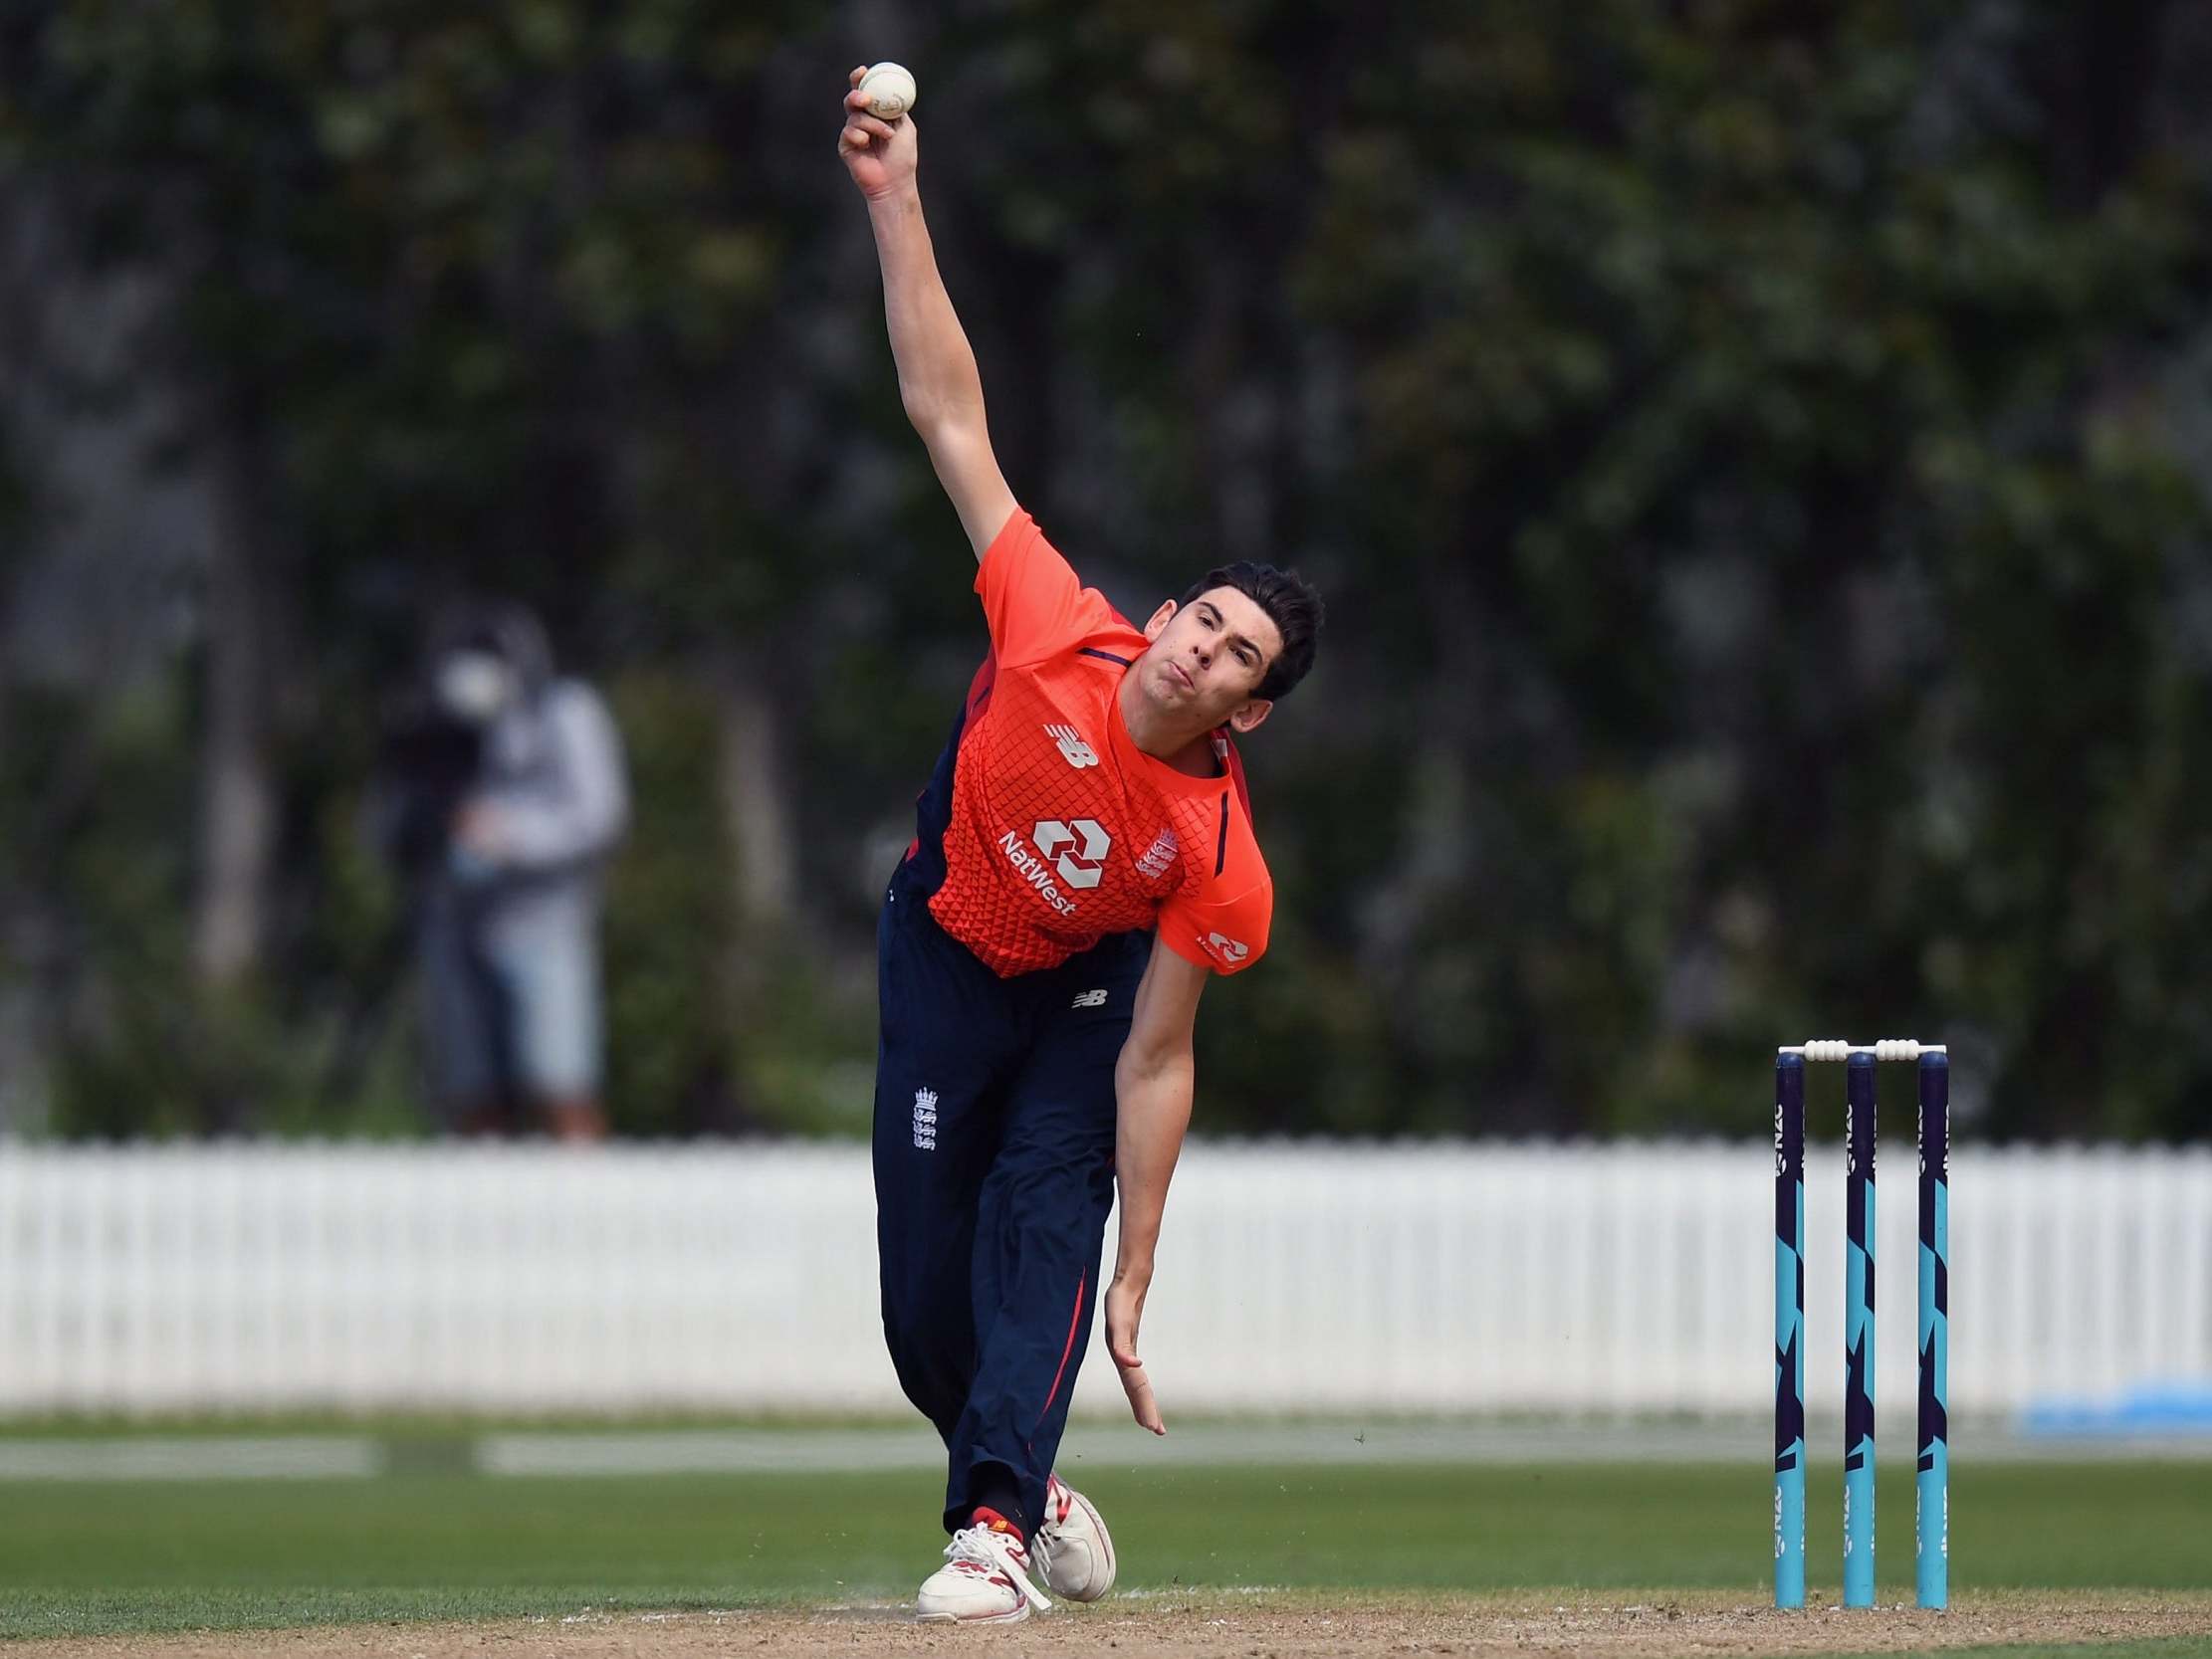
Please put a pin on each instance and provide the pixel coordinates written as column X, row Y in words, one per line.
column 235, row 1458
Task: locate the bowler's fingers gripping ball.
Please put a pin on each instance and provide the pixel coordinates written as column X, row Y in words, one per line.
column 861, row 129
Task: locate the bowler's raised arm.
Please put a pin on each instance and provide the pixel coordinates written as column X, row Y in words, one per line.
column 937, row 382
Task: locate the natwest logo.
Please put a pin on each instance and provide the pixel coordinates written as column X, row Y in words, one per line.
column 1078, row 850
column 1228, row 949
column 1035, row 871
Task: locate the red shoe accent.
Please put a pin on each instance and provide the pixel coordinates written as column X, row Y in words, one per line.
column 977, row 1569
column 983, row 1516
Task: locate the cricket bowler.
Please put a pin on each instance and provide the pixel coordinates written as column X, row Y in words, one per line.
column 1084, row 859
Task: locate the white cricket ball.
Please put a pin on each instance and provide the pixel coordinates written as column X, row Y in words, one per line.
column 890, row 89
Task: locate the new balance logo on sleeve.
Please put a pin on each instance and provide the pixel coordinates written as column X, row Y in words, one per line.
column 924, row 1120
column 1073, row 750
column 1089, row 999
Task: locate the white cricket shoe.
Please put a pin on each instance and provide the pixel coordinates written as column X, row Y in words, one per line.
column 984, row 1581
column 1073, row 1548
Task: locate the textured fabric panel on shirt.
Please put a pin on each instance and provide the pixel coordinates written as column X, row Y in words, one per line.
column 1053, row 843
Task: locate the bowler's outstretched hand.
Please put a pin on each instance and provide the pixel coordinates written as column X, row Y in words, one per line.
column 879, row 155
column 1125, row 1306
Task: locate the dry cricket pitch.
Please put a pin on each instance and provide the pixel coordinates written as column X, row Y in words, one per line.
column 1232, row 1625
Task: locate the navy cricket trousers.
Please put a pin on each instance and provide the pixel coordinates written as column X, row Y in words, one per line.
column 995, row 1174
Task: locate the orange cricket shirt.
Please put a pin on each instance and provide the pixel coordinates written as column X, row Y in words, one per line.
column 1061, row 829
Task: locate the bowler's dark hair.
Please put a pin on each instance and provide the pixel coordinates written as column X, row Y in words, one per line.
column 1292, row 605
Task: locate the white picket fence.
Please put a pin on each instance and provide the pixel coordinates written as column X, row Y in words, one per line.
column 1435, row 1276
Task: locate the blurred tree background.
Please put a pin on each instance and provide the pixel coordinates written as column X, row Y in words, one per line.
column 1758, row 456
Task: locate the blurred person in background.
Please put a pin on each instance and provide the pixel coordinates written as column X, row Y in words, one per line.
column 502, row 795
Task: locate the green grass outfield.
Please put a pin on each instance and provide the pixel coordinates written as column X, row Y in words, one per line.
column 81, row 1558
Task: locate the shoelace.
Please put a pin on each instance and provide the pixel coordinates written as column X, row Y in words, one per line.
column 981, row 1546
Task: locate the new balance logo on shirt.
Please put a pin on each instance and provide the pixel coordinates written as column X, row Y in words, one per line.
column 1073, row 750
column 1089, row 999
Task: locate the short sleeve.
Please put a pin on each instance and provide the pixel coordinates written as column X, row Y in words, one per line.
column 1032, row 601
column 1226, row 934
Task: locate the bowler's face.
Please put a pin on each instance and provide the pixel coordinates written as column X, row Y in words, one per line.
column 1207, row 658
